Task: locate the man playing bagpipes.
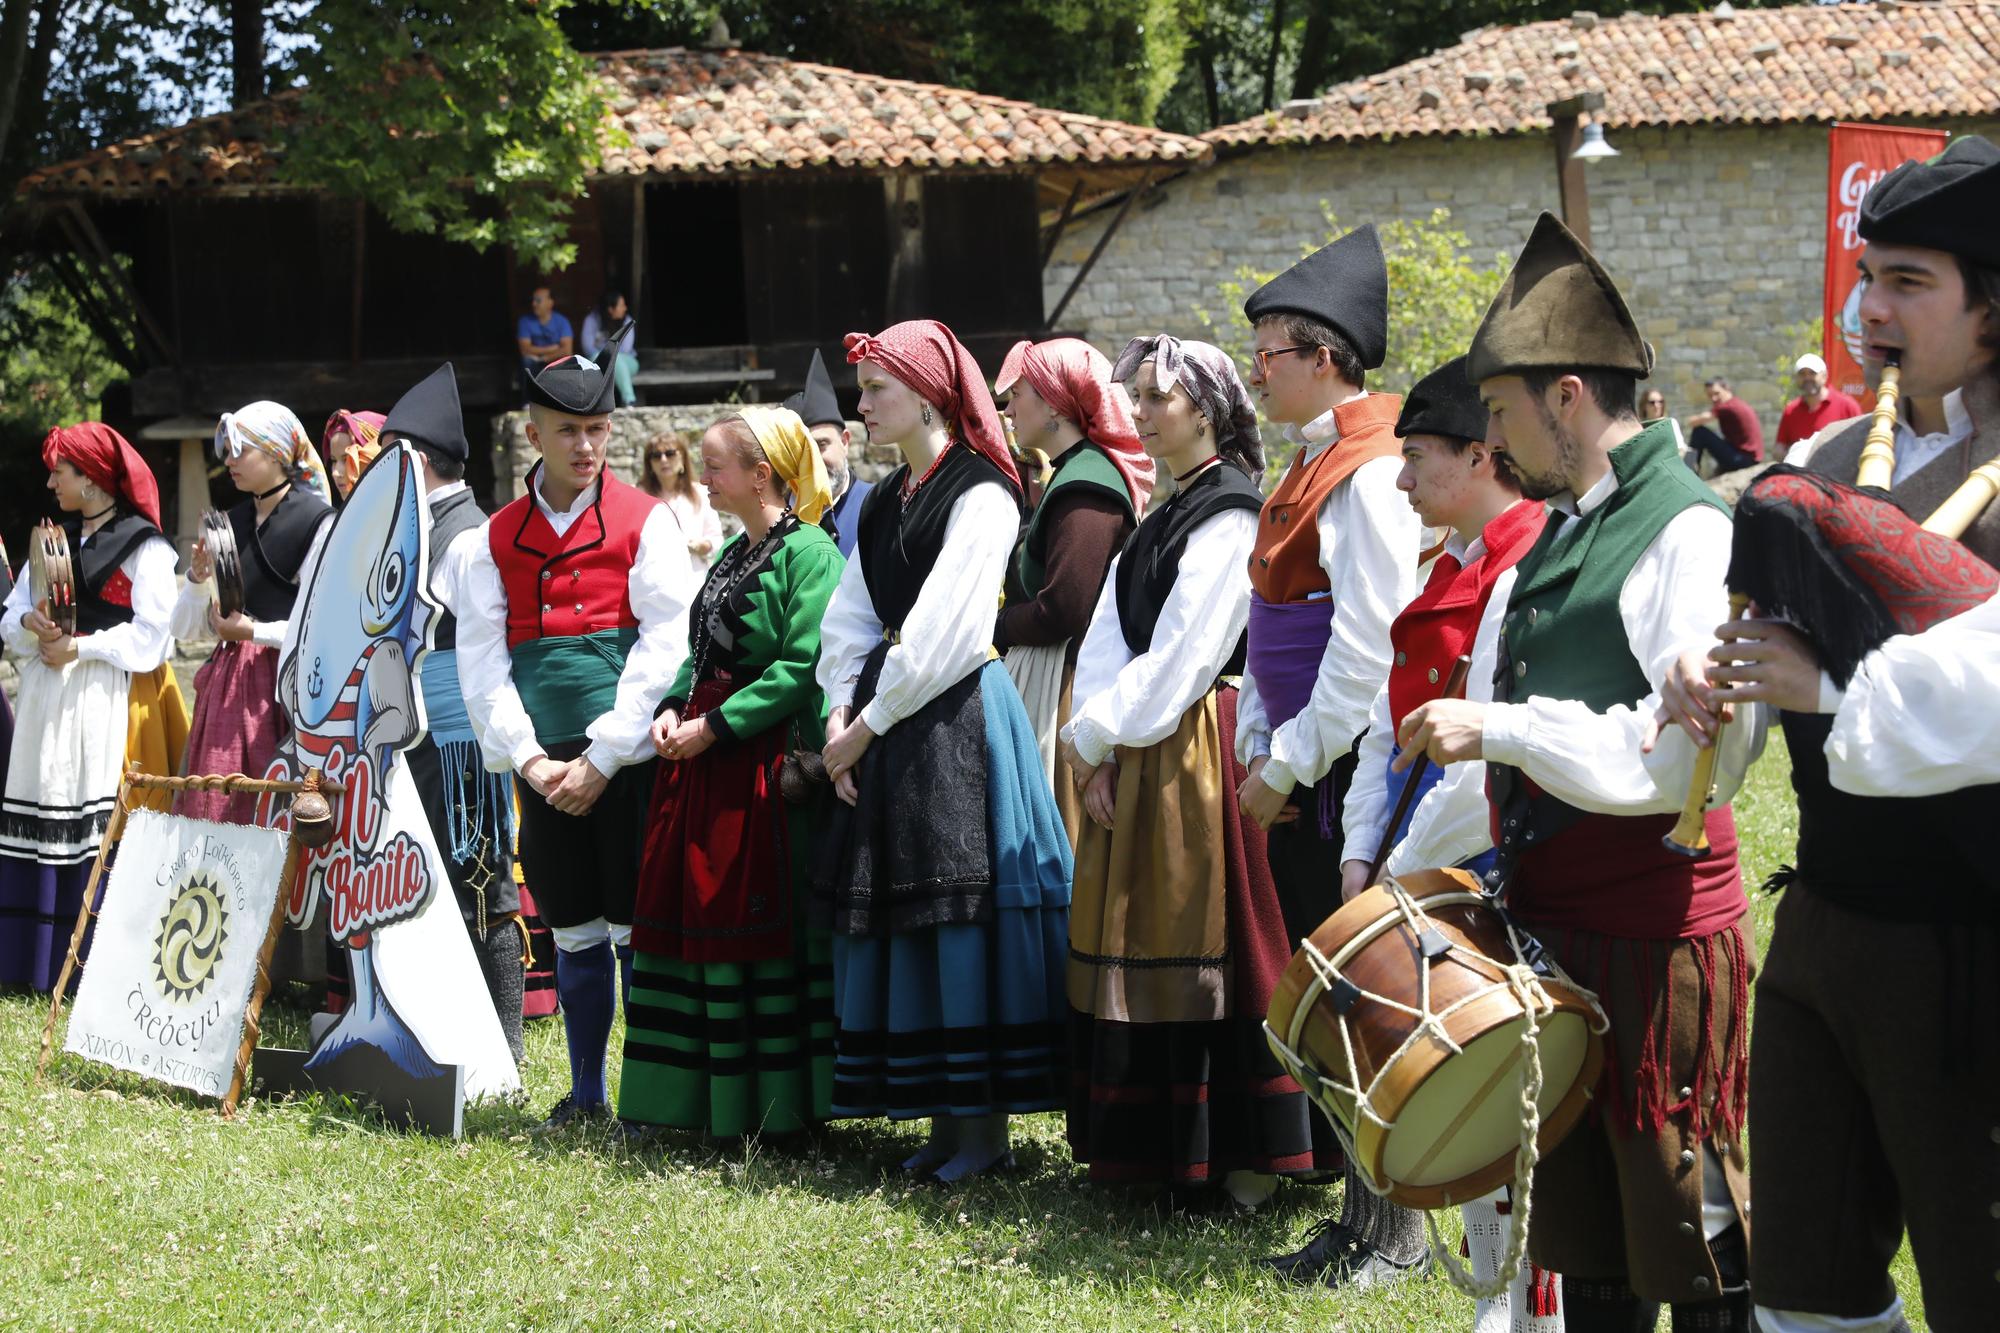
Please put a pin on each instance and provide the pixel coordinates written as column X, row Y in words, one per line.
column 1641, row 1203
column 1875, row 1079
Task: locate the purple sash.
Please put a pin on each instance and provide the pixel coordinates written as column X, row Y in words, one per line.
column 1287, row 641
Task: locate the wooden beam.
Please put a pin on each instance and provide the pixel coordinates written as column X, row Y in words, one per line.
column 906, row 294
column 118, row 340
column 109, row 261
column 1572, row 190
column 636, row 293
column 192, row 494
column 360, row 267
column 1062, row 221
column 1117, row 221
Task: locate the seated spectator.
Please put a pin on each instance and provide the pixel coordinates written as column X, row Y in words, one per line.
column 1728, row 432
column 669, row 474
column 543, row 334
column 598, row 326
column 1816, row 407
column 1652, row 405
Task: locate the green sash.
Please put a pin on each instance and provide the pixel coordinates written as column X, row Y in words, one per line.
column 568, row 682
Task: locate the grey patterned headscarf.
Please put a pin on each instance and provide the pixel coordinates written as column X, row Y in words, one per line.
column 1209, row 376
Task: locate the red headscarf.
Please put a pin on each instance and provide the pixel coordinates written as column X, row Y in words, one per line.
column 923, row 354
column 1074, row 379
column 103, row 455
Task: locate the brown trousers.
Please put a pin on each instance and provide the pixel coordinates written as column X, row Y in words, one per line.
column 1619, row 1203
column 1875, row 1104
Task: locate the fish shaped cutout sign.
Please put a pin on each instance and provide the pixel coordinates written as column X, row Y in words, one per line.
column 347, row 680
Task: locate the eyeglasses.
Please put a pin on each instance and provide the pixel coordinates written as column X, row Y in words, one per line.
column 656, row 457
column 1264, row 355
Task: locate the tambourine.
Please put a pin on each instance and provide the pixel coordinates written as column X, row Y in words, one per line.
column 220, row 538
column 51, row 576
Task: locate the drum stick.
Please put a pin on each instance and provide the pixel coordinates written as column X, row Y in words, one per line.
column 1690, row 834
column 1452, row 689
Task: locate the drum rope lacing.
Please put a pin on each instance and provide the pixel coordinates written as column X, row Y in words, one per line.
column 1520, row 978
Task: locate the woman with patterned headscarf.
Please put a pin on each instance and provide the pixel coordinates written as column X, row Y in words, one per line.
column 1064, row 405
column 74, row 716
column 349, row 444
column 1175, row 934
column 944, row 864
column 730, row 1023
column 237, row 722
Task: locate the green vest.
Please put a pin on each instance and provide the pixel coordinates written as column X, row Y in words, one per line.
column 1563, row 637
column 1085, row 464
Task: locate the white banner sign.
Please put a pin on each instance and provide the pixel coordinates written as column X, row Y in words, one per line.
column 175, row 953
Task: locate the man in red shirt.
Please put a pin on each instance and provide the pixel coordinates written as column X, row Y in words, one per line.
column 1728, row 432
column 1816, row 407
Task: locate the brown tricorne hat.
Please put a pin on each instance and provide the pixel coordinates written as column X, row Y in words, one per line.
column 1558, row 310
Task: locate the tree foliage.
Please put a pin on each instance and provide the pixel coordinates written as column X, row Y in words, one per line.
column 53, row 370
column 1437, row 295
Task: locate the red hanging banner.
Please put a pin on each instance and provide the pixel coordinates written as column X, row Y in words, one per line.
column 1858, row 156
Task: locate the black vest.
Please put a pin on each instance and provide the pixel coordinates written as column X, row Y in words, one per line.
column 1908, row 858
column 898, row 545
column 96, row 560
column 456, row 514
column 271, row 554
column 1152, row 559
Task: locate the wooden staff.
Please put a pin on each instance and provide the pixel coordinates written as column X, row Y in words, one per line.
column 1452, row 689
column 1877, row 466
column 1690, row 835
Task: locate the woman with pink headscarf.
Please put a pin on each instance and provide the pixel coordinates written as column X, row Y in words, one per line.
column 1064, row 406
column 944, row 870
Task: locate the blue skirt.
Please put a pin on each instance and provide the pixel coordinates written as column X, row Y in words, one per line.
column 967, row 1019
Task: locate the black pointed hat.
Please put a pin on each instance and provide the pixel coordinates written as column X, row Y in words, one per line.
column 1345, row 285
column 429, row 414
column 816, row 403
column 1557, row 310
column 1444, row 402
column 575, row 386
column 1948, row 203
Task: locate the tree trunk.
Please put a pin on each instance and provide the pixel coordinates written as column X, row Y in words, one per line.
column 13, row 60
column 246, row 47
column 1271, row 57
column 24, row 104
column 1209, row 91
column 1314, row 49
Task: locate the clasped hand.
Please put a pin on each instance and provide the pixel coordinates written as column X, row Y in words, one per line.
column 847, row 739
column 570, row 786
column 677, row 740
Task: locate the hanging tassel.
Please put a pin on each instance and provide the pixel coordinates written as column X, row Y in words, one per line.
column 1544, row 1297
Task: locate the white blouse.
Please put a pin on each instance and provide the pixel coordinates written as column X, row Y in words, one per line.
column 700, row 520
column 190, row 619
column 661, row 586
column 140, row 644
column 1922, row 714
column 949, row 631
column 1136, row 700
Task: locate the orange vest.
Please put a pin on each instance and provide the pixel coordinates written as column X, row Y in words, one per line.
column 1284, row 563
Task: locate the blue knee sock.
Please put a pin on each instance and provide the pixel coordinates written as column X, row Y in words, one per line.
column 584, row 982
column 625, row 977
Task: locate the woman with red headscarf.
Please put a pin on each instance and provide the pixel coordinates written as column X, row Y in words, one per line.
column 1063, row 405
column 73, row 708
column 945, row 871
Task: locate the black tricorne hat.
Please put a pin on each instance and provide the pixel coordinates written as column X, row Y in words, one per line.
column 816, row 403
column 429, row 414
column 1444, row 402
column 575, row 386
column 1950, row 203
column 1345, row 285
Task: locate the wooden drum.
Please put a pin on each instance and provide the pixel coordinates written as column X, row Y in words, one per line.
column 1402, row 1017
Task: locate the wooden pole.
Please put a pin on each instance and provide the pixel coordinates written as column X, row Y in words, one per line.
column 1062, row 221
column 260, row 985
column 1132, row 197
column 113, row 831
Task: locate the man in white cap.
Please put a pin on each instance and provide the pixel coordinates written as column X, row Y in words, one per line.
column 1817, row 406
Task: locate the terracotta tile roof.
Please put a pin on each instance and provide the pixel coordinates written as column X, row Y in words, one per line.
column 697, row 113
column 1751, row 66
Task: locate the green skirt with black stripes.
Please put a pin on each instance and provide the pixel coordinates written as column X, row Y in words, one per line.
column 731, row 1048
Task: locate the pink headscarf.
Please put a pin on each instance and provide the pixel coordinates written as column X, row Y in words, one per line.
column 1074, row 379
column 364, row 430
column 103, row 455
column 923, row 354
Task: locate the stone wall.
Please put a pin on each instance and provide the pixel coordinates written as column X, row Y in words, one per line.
column 1716, row 235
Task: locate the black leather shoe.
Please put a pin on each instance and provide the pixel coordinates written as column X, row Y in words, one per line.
column 567, row 1114
column 1324, row 1238
column 1335, row 1258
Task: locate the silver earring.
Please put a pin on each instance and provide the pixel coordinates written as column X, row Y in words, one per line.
column 926, row 412
column 1201, row 429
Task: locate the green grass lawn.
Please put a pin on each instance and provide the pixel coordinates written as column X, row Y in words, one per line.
column 124, row 1205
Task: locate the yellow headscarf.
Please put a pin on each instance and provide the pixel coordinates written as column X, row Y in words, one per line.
column 794, row 457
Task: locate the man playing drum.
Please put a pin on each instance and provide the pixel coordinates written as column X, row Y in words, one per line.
column 1642, row 1202
column 1455, row 480
column 1876, row 1081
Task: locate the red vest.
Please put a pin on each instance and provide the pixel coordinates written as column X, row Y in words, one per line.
column 1284, row 563
column 575, row 584
column 1440, row 623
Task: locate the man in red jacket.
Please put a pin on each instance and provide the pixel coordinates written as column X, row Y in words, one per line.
column 1817, row 406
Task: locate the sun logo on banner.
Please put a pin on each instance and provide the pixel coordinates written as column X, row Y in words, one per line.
column 189, row 944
